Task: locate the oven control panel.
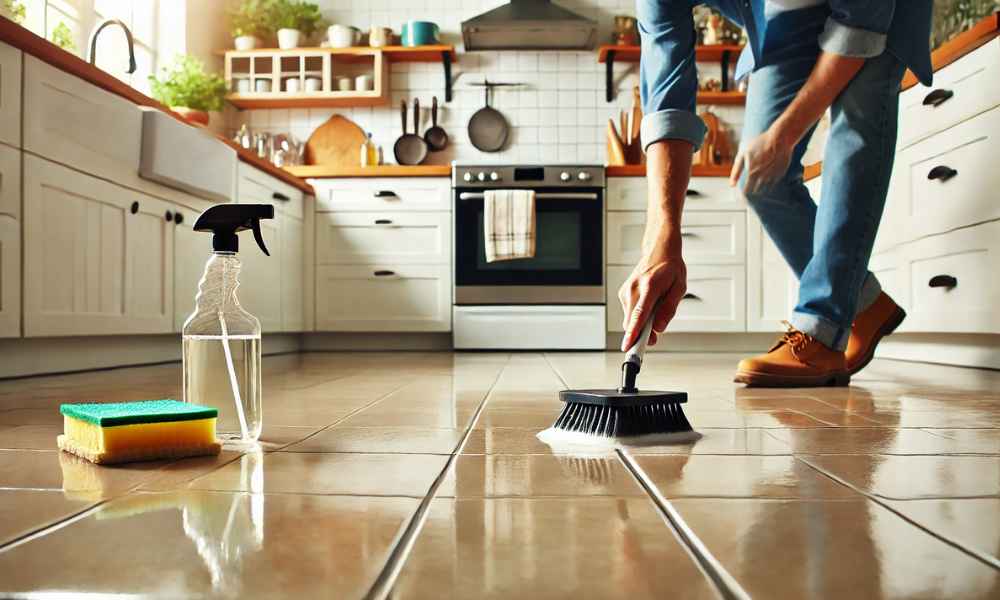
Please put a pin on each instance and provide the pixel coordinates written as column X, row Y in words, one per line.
column 527, row 176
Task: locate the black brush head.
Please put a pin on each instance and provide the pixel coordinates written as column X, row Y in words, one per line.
column 613, row 413
column 618, row 398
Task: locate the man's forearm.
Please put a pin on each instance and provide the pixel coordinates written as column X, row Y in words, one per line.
column 668, row 171
column 829, row 77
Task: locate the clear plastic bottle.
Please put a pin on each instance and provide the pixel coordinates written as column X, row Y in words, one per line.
column 222, row 360
column 369, row 152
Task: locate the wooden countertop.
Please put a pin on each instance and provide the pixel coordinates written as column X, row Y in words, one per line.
column 23, row 39
column 640, row 170
column 325, row 171
column 967, row 41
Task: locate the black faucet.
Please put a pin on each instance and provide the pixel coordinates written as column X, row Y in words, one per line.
column 128, row 36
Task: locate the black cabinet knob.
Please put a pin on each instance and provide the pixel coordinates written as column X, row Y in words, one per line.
column 690, row 296
column 178, row 218
column 692, row 193
column 943, row 281
column 383, row 221
column 168, row 216
column 384, row 273
column 938, row 97
column 941, row 173
column 134, row 208
column 385, row 194
column 280, row 197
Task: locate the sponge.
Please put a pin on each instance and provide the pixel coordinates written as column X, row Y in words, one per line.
column 133, row 431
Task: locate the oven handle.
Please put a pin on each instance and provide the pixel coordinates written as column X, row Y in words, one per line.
column 539, row 195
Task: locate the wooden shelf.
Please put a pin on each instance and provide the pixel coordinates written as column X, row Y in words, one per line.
column 640, row 170
column 722, row 98
column 631, row 53
column 324, row 171
column 306, row 100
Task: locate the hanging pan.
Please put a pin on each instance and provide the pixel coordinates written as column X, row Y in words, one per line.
column 488, row 128
column 410, row 148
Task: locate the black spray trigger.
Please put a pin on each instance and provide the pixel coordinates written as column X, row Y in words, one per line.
column 258, row 237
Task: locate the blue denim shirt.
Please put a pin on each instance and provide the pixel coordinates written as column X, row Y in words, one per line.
column 777, row 30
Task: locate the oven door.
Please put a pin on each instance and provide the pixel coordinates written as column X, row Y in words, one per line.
column 569, row 252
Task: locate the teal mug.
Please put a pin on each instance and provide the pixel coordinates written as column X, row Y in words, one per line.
column 419, row 33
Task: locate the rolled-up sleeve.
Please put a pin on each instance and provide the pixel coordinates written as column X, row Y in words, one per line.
column 857, row 28
column 668, row 78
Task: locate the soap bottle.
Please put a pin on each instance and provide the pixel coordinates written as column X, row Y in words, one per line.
column 369, row 152
column 221, row 353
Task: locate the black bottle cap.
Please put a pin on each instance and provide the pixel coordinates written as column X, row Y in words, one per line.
column 226, row 220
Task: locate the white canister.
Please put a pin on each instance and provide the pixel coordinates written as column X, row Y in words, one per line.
column 379, row 36
column 243, row 85
column 345, row 84
column 364, row 83
column 262, row 85
column 288, row 38
column 245, row 42
column 292, row 85
column 342, row 36
column 313, row 84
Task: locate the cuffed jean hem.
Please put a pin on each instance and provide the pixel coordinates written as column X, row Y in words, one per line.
column 870, row 291
column 829, row 334
column 672, row 123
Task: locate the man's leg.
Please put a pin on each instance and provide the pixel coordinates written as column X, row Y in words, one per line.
column 857, row 164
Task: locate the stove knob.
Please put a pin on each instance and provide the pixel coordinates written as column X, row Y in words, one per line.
column 583, row 176
column 481, row 177
column 494, row 176
column 467, row 177
column 564, row 176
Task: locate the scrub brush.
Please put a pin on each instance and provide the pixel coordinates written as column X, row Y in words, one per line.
column 625, row 416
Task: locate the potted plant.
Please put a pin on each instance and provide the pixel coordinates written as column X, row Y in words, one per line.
column 248, row 24
column 188, row 90
column 292, row 19
column 13, row 10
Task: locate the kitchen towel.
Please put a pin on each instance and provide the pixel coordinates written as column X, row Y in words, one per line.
column 509, row 224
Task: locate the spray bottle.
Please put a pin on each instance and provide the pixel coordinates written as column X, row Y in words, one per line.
column 221, row 340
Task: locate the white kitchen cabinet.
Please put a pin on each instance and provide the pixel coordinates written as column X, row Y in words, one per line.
column 10, row 95
column 772, row 288
column 191, row 251
column 381, row 238
column 709, row 238
column 260, row 275
column 293, row 268
column 383, row 298
column 10, row 181
column 10, row 277
column 703, row 193
column 366, row 194
column 98, row 258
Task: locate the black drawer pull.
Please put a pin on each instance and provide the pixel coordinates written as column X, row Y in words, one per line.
column 281, row 197
column 383, row 221
column 692, row 193
column 944, row 281
column 690, row 296
column 384, row 273
column 686, row 233
column 178, row 218
column 168, row 216
column 938, row 97
column 134, row 208
column 942, row 173
column 385, row 194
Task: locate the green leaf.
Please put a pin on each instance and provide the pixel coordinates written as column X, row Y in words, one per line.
column 185, row 83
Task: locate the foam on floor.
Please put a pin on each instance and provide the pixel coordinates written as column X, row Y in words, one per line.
column 559, row 438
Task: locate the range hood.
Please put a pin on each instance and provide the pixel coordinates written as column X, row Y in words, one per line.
column 529, row 25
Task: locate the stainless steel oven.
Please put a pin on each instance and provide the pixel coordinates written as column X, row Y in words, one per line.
column 562, row 283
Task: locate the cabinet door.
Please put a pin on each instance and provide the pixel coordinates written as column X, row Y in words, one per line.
column 98, row 257
column 710, row 238
column 10, row 180
column 260, row 277
column 10, row 95
column 772, row 288
column 383, row 298
column 10, row 277
column 191, row 250
column 293, row 263
column 353, row 238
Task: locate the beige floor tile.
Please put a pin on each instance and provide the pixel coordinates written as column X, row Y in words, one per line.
column 970, row 522
column 178, row 474
column 311, row 473
column 874, row 440
column 533, row 475
column 458, row 418
column 26, row 511
column 30, row 437
column 219, row 545
column 386, row 440
column 547, row 549
column 975, row 441
column 77, row 478
column 31, row 416
column 903, row 477
column 835, row 549
column 529, row 418
column 275, row 437
column 739, row 477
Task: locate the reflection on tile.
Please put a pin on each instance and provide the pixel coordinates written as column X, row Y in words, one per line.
column 76, row 477
column 904, row 477
column 31, row 437
column 722, row 441
column 504, row 475
column 311, row 473
column 275, row 437
column 970, row 522
column 529, row 417
column 548, row 548
column 178, row 474
column 739, row 477
column 25, row 511
column 874, row 440
column 387, row 440
column 973, row 441
column 214, row 545
column 835, row 549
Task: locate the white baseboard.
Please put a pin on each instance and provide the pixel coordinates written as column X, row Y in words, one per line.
column 370, row 342
column 755, row 343
column 960, row 349
column 20, row 357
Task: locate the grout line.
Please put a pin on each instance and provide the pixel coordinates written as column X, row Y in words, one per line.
column 386, row 580
column 726, row 584
column 991, row 561
column 43, row 531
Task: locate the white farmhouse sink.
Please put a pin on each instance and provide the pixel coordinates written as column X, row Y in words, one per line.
column 187, row 158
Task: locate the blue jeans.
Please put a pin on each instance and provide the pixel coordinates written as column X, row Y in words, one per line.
column 828, row 246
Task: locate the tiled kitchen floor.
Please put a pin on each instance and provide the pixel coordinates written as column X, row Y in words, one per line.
column 417, row 475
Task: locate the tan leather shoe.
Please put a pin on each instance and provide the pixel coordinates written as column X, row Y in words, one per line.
column 870, row 326
column 797, row 360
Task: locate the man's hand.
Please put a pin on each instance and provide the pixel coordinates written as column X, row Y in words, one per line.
column 765, row 160
column 660, row 277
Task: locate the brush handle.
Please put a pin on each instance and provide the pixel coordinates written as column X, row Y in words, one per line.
column 638, row 350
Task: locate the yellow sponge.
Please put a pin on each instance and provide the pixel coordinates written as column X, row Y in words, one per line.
column 133, row 431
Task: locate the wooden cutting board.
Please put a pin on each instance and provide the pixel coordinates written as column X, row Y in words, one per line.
column 336, row 143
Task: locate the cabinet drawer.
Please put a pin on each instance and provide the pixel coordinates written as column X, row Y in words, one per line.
column 716, row 299
column 10, row 181
column 953, row 281
column 257, row 187
column 704, row 193
column 10, row 95
column 888, row 269
column 10, row 277
column 954, row 180
column 968, row 87
column 384, row 193
column 710, row 238
column 383, row 298
column 383, row 238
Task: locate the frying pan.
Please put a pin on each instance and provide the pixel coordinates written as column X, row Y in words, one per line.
column 488, row 128
column 410, row 148
column 436, row 137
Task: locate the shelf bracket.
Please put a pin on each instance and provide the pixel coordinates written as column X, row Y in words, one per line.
column 609, row 77
column 446, row 63
column 725, row 71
